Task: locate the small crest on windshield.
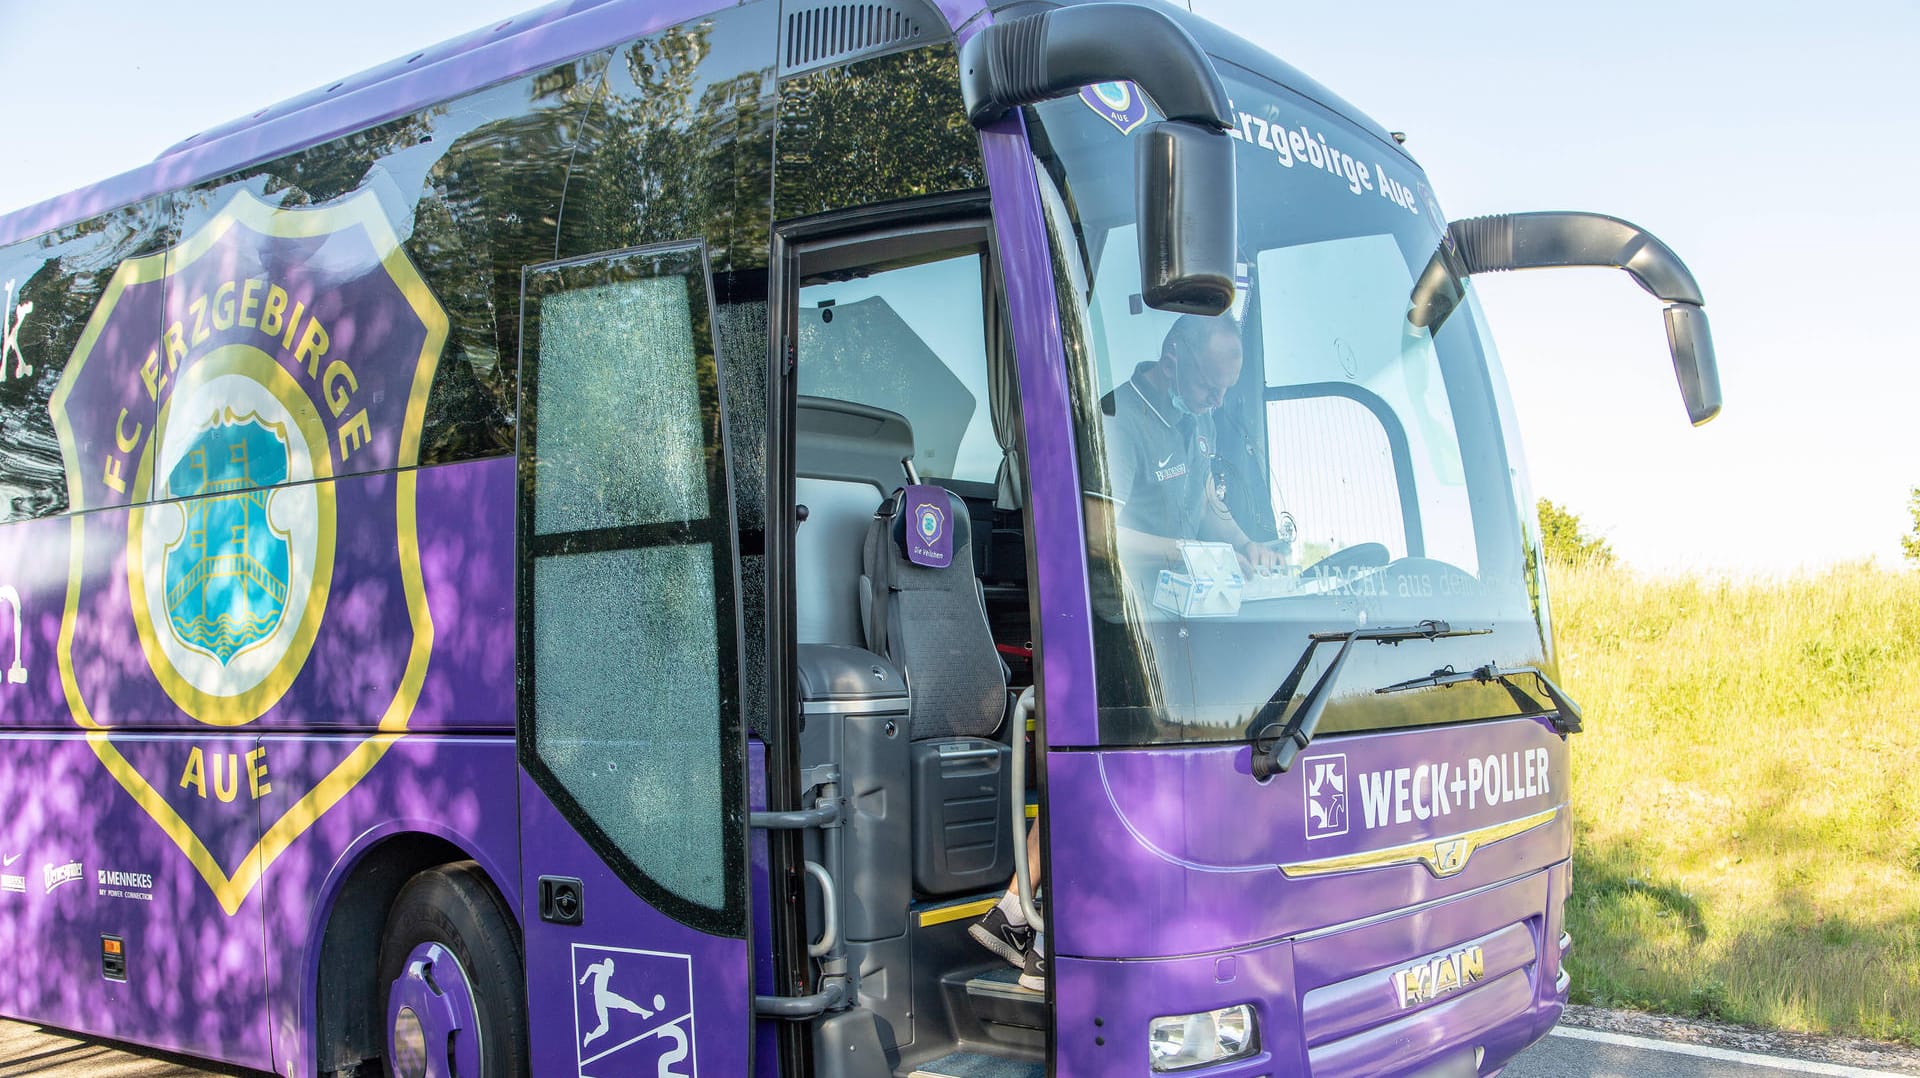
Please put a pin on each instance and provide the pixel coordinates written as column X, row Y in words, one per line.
column 1119, row 103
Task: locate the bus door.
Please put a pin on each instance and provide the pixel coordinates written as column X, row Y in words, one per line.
column 633, row 820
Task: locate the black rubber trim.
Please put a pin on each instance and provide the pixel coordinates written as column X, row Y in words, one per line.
column 1055, row 53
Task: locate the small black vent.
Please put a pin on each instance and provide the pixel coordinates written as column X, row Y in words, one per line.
column 820, row 34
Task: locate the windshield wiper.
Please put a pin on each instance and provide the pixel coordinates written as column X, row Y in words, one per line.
column 1565, row 713
column 1277, row 744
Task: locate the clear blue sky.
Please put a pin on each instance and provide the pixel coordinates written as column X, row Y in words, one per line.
column 1770, row 144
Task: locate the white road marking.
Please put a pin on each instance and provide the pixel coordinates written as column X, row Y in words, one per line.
column 1724, row 1055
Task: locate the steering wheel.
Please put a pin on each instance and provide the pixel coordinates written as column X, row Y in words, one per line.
column 1345, row 561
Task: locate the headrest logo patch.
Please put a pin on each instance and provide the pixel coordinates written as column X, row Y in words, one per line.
column 929, row 539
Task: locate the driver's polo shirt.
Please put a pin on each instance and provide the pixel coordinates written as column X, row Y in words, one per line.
column 1159, row 461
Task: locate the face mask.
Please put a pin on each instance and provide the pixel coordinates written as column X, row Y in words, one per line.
column 1179, row 403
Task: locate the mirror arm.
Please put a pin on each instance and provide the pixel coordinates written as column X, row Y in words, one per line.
column 1511, row 241
column 1055, row 53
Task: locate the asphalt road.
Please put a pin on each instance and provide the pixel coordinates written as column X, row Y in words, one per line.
column 27, row 1049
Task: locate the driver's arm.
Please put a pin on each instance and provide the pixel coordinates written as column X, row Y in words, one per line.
column 1217, row 525
column 1132, row 546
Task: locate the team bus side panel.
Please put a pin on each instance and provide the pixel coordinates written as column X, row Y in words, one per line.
column 441, row 793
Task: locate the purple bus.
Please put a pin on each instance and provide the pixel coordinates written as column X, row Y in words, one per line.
column 802, row 537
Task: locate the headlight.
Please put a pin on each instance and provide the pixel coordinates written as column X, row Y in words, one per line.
column 1182, row 1041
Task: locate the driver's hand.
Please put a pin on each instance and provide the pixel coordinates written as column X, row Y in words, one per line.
column 1257, row 557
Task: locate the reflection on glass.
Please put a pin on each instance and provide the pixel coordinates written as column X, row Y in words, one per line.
column 52, row 284
column 911, row 340
column 887, row 128
column 1348, row 470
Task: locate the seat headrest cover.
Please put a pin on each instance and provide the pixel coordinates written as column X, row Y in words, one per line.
column 926, row 525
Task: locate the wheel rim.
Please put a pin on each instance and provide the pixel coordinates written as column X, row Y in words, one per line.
column 433, row 1027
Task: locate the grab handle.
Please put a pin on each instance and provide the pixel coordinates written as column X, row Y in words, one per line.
column 1022, row 875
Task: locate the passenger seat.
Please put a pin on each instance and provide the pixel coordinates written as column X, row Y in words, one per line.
column 931, row 623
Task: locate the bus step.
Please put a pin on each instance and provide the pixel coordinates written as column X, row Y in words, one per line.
column 996, row 997
column 978, row 1065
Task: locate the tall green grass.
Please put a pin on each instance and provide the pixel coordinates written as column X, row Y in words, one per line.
column 1747, row 795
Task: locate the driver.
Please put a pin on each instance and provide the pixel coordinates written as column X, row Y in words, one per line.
column 1160, row 487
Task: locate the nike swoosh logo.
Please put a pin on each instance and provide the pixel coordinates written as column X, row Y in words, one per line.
column 1165, row 460
column 7, row 862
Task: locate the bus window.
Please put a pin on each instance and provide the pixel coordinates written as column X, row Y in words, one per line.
column 912, row 340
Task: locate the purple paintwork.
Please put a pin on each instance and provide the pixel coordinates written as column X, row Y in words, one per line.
column 433, row 1028
column 1181, row 847
column 237, row 986
column 454, row 788
column 1065, row 669
column 1183, row 843
column 194, row 983
column 701, row 982
column 766, row 1031
column 1324, row 1002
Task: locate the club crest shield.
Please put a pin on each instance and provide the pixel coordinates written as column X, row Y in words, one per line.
column 239, row 421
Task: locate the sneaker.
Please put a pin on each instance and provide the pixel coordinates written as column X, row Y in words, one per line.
column 1033, row 972
column 1001, row 936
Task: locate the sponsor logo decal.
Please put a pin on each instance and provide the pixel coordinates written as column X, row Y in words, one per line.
column 12, row 317
column 1428, row 791
column 1119, row 103
column 1326, row 783
column 1425, row 981
column 632, row 1012
column 1302, row 145
column 56, row 876
column 12, row 882
column 112, row 883
column 217, row 392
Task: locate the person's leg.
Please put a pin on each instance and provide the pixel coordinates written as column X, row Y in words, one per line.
column 1033, row 857
column 1004, row 930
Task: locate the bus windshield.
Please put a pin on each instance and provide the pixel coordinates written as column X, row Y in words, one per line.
column 1307, row 462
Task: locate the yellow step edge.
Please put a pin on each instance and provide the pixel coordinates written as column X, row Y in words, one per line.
column 959, row 911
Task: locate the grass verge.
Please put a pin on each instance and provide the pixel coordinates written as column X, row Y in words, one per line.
column 1747, row 796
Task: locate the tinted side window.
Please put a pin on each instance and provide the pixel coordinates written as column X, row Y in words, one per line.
column 52, row 284
column 681, row 143
column 888, row 128
column 472, row 189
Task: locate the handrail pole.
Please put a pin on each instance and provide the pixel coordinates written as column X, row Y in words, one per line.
column 1022, row 875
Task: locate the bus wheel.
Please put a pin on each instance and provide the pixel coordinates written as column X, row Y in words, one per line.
column 450, row 961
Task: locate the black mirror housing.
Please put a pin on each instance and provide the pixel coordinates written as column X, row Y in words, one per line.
column 1186, row 206
column 1693, row 360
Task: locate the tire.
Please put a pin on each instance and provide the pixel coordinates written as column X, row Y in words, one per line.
column 455, row 909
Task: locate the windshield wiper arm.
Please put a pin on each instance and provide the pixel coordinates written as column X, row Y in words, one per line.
column 1277, row 744
column 1566, row 713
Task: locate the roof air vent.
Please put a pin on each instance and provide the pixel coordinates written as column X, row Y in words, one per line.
column 819, row 34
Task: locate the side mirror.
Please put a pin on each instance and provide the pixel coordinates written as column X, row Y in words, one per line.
column 1184, row 163
column 1544, row 240
column 1185, row 193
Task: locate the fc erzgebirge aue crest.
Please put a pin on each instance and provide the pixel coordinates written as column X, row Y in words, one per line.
column 239, row 421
